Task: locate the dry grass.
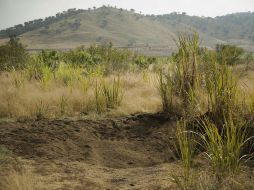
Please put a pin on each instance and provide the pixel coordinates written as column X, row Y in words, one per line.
column 140, row 95
column 69, row 92
column 32, row 99
column 25, row 180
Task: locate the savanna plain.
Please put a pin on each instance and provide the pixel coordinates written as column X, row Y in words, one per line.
column 101, row 117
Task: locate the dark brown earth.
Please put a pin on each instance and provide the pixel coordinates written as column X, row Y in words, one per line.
column 122, row 153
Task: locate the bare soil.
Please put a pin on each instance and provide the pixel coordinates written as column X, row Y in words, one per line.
column 121, row 153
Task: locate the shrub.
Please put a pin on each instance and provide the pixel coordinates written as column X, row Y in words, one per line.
column 78, row 57
column 49, row 58
column 141, row 61
column 228, row 54
column 13, row 55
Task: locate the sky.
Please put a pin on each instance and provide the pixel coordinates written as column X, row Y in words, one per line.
column 19, row 11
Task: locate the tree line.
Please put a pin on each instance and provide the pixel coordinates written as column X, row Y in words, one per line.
column 37, row 23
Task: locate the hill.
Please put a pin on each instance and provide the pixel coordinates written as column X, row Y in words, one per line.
column 150, row 34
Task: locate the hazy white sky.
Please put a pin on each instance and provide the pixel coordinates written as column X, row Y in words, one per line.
column 18, row 11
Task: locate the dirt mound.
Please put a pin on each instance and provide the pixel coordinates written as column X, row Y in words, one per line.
column 108, row 154
column 118, row 143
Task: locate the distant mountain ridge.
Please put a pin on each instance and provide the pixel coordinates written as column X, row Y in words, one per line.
column 149, row 34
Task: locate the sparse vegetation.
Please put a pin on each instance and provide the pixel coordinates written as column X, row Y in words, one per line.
column 197, row 85
column 64, row 30
column 12, row 55
column 185, row 148
column 228, row 54
column 113, row 93
column 223, row 133
column 24, row 180
column 225, row 146
column 182, row 81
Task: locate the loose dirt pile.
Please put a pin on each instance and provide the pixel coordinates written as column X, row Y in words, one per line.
column 121, row 153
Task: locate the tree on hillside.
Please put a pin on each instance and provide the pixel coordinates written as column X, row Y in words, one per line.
column 12, row 55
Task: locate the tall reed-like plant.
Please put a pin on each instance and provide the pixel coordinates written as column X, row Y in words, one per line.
column 187, row 62
column 166, row 91
column 184, row 78
column 99, row 102
column 221, row 87
column 46, row 77
column 112, row 93
column 185, row 148
column 224, row 147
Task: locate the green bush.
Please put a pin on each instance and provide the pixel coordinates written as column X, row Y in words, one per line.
column 13, row 55
column 228, row 54
column 78, row 57
column 49, row 58
column 143, row 62
column 114, row 59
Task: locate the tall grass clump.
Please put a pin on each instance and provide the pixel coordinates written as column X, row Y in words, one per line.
column 185, row 149
column 46, row 76
column 99, row 101
column 166, row 91
column 108, row 94
column 187, row 62
column 63, row 105
column 18, row 78
column 68, row 74
column 224, row 147
column 85, row 83
column 184, row 78
column 221, row 87
column 41, row 109
column 33, row 68
column 24, row 180
column 112, row 93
